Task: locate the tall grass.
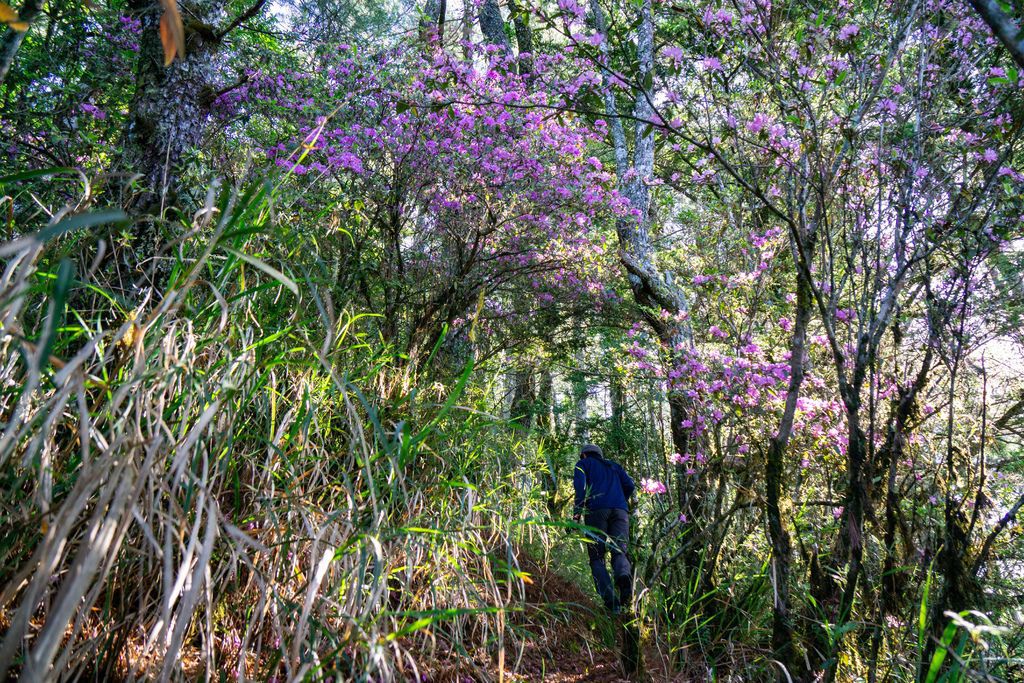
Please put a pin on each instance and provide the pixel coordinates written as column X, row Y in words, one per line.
column 207, row 483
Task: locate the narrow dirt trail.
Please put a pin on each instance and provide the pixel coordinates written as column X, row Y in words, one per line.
column 571, row 637
column 564, row 636
column 569, row 646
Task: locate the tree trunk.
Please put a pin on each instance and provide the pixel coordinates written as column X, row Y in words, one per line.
column 467, row 32
column 524, row 399
column 958, row 587
column 653, row 290
column 546, row 402
column 1004, row 27
column 580, row 392
column 852, row 532
column 616, row 440
column 782, row 624
column 890, row 455
column 432, row 21
column 546, row 424
column 492, row 25
column 13, row 39
column 524, row 36
column 171, row 104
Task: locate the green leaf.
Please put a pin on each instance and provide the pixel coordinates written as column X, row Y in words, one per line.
column 266, row 268
column 448, row 404
column 922, row 617
column 940, row 654
column 414, row 626
column 55, row 310
column 38, row 173
column 82, row 220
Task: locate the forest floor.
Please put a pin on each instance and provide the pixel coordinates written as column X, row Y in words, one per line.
column 566, row 638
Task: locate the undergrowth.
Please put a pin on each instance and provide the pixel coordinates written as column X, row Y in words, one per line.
column 229, row 477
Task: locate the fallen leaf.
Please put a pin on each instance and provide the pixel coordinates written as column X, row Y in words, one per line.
column 172, row 32
column 167, row 39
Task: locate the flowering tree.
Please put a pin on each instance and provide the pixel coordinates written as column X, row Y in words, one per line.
column 865, row 143
column 469, row 183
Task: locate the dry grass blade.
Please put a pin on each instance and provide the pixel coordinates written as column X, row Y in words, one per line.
column 226, row 500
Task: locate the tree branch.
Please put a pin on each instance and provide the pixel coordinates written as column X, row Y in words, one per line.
column 986, row 548
column 1004, row 27
column 244, row 16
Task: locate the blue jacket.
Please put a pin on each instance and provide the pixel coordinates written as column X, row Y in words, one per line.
column 600, row 484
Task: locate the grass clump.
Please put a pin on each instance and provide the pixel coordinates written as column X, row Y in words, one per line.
column 221, row 478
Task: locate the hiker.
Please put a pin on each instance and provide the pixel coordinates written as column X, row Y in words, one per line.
column 602, row 491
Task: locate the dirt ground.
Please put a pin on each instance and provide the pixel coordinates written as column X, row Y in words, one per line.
column 566, row 639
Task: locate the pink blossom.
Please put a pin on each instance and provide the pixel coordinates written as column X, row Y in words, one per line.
column 848, row 31
column 757, row 123
column 711, row 64
column 93, row 111
column 653, row 486
column 672, row 52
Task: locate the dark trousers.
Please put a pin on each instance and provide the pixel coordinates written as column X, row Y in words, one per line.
column 612, row 534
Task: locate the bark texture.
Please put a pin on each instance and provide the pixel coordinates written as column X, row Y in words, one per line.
column 492, row 25
column 171, row 104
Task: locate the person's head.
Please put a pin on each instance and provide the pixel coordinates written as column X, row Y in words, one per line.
column 591, row 451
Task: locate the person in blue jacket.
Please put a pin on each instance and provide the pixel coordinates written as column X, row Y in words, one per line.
column 603, row 490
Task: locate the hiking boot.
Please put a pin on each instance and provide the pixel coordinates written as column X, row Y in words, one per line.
column 625, row 586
